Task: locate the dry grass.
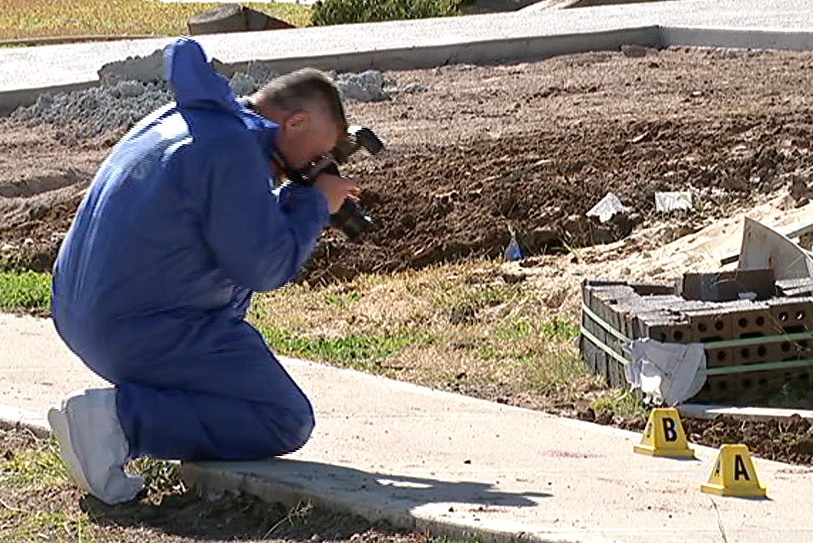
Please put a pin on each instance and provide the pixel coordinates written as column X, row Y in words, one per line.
column 38, row 503
column 49, row 18
column 461, row 327
column 469, row 327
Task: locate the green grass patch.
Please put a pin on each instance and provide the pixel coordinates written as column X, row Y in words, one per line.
column 461, row 325
column 25, row 291
column 37, row 468
column 333, row 12
column 46, row 18
column 50, row 526
column 559, row 329
column 622, row 403
column 360, row 352
column 341, row 300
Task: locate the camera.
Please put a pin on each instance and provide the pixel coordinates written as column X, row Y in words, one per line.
column 351, row 219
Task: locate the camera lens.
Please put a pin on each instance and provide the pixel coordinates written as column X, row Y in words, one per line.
column 351, row 220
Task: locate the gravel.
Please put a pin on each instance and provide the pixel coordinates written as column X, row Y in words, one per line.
column 134, row 87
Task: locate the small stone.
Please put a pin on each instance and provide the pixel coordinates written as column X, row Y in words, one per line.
column 411, row 88
column 316, row 538
column 367, row 86
column 512, row 278
column 130, row 89
column 633, row 51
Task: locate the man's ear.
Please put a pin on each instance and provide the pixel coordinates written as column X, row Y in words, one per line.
column 298, row 121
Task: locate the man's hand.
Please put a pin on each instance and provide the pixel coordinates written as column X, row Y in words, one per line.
column 337, row 189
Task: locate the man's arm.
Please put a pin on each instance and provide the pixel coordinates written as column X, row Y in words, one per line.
column 258, row 237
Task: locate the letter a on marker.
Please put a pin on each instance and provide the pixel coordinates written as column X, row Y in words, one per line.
column 734, row 474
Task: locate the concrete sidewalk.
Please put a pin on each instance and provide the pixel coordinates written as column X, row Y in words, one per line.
column 456, row 465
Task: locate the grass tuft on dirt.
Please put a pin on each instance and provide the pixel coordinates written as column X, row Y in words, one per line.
column 25, row 291
column 24, row 19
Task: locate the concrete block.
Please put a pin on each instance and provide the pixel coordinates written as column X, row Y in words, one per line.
column 720, row 357
column 722, row 387
column 726, row 286
column 652, row 289
column 755, row 322
column 667, row 331
column 760, row 384
column 795, row 287
column 615, row 374
column 792, row 315
column 709, row 325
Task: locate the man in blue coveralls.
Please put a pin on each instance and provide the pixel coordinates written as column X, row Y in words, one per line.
column 181, row 224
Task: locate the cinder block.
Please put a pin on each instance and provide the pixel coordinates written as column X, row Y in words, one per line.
column 741, row 355
column 726, row 286
column 756, row 321
column 667, row 332
column 720, row 357
column 723, row 387
column 764, row 383
column 709, row 325
column 616, row 374
column 792, row 315
column 653, row 289
column 590, row 354
column 795, row 287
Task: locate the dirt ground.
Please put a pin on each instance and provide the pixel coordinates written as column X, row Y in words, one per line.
column 38, row 503
column 531, row 146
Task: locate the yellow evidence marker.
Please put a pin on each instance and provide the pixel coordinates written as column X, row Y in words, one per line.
column 664, row 435
column 734, row 474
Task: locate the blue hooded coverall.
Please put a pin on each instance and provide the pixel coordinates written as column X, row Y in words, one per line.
column 151, row 286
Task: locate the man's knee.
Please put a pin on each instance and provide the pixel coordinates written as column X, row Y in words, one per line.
column 301, row 429
column 289, row 428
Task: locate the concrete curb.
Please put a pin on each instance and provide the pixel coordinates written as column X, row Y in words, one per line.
column 709, row 412
column 734, row 38
column 479, row 52
column 498, row 50
column 214, row 478
column 11, row 417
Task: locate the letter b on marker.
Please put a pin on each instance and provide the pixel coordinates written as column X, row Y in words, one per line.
column 669, row 429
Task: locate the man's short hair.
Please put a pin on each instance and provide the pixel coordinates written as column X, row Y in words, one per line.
column 296, row 90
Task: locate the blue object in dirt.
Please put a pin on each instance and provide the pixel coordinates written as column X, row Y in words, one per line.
column 513, row 251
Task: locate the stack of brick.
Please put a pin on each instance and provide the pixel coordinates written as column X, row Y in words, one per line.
column 753, row 347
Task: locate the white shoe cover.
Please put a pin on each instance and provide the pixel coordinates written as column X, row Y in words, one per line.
column 93, row 446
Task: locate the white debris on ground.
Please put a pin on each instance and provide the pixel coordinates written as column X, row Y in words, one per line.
column 372, row 86
column 133, row 88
